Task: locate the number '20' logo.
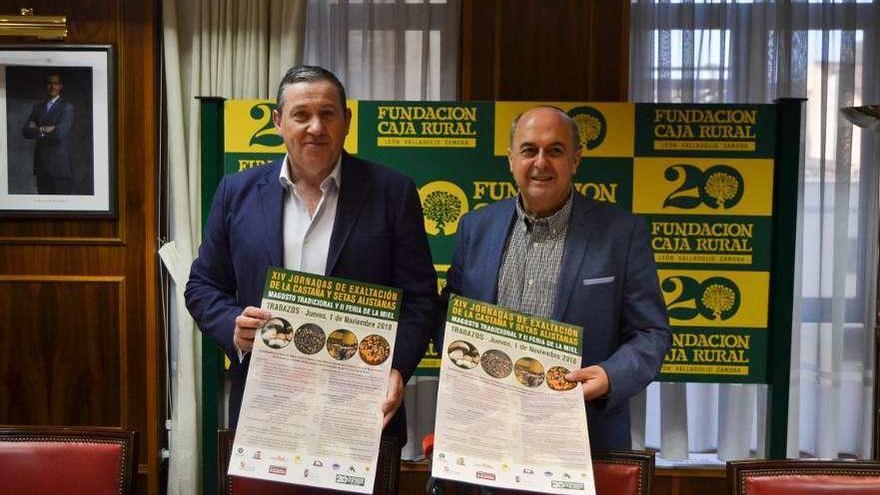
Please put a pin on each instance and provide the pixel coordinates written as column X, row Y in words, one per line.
column 716, row 298
column 265, row 135
column 718, row 187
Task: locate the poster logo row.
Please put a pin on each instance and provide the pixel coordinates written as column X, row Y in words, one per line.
column 604, row 129
column 659, row 186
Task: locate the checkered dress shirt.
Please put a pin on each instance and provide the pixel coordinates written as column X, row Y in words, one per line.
column 531, row 263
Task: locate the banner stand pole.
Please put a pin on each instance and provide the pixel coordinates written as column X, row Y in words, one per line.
column 211, row 118
column 789, row 154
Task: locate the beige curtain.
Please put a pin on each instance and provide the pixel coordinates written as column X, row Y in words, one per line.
column 231, row 49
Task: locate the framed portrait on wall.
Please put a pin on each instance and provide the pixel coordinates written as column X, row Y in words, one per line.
column 57, row 131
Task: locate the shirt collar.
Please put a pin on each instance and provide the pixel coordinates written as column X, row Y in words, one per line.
column 334, row 179
column 556, row 222
column 53, row 100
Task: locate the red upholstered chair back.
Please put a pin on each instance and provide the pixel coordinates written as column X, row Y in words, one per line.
column 802, row 477
column 49, row 461
column 623, row 472
column 387, row 473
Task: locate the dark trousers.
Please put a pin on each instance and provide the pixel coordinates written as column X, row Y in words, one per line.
column 54, row 185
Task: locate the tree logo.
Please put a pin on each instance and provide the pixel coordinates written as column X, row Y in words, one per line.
column 722, row 187
column 716, row 298
column 718, row 187
column 720, row 298
column 443, row 204
column 591, row 126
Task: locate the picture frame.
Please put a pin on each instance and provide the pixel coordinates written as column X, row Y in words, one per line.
column 58, row 159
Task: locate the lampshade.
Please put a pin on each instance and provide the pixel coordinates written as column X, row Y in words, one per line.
column 867, row 117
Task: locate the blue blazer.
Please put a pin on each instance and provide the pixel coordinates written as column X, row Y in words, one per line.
column 607, row 285
column 378, row 237
column 52, row 152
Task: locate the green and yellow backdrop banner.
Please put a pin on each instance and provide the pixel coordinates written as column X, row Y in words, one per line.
column 702, row 177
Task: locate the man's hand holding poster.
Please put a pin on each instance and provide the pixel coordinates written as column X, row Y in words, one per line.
column 506, row 416
column 311, row 412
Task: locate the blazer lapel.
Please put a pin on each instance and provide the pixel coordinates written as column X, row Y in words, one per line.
column 573, row 255
column 41, row 113
column 272, row 202
column 351, row 198
column 496, row 235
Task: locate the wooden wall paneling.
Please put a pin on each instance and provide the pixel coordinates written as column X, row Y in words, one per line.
column 609, row 49
column 689, row 481
column 478, row 50
column 544, row 50
column 539, row 59
column 138, row 128
column 53, row 373
column 73, row 262
column 33, row 231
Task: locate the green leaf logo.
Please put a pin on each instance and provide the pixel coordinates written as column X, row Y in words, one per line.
column 720, row 298
column 443, row 204
column 723, row 187
column 591, row 125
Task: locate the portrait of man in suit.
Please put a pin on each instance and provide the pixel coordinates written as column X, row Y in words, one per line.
column 556, row 254
column 50, row 124
column 50, row 134
column 317, row 210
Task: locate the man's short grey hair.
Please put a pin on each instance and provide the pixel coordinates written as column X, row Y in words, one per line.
column 575, row 134
column 309, row 73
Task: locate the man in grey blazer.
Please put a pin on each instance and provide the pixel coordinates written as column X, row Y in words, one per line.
column 555, row 254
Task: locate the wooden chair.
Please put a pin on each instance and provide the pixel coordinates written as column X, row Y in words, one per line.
column 802, row 477
column 73, row 461
column 387, row 473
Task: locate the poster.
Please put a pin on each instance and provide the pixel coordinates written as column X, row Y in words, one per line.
column 311, row 412
column 506, row 417
column 701, row 176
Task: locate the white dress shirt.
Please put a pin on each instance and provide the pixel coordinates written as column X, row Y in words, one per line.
column 307, row 237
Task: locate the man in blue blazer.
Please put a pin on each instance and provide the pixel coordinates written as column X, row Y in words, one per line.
column 49, row 125
column 318, row 210
column 555, row 254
